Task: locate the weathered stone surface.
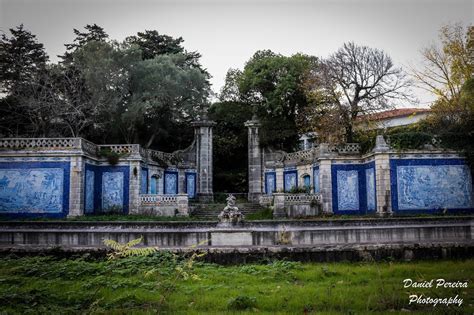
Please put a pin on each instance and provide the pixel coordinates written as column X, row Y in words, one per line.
column 231, row 238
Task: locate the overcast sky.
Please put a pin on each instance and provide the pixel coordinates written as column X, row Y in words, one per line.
column 228, row 32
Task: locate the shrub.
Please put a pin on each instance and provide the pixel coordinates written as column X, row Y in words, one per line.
column 409, row 140
column 242, row 302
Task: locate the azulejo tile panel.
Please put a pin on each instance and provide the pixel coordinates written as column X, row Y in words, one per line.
column 112, row 190
column 433, row 187
column 34, row 188
column 430, row 185
column 144, row 181
column 316, row 179
column 370, row 188
column 290, row 180
column 106, row 189
column 348, row 190
column 270, row 182
column 191, row 184
column 171, row 183
column 90, row 179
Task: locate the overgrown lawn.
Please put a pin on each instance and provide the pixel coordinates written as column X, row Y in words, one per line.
column 152, row 285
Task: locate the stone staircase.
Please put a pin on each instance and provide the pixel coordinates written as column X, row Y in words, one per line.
column 210, row 211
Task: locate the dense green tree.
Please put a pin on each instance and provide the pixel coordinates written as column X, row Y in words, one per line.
column 93, row 33
column 23, row 67
column 153, row 44
column 273, row 84
column 165, row 93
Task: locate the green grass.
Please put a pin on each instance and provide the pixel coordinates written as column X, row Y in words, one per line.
column 264, row 214
column 68, row 286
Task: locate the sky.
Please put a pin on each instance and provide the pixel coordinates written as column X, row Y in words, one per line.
column 228, row 32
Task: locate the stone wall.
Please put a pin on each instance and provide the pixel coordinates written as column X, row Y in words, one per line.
column 382, row 182
column 71, row 177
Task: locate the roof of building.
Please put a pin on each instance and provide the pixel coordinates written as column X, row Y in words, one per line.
column 393, row 113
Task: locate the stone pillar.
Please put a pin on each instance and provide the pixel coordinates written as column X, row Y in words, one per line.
column 183, row 205
column 325, row 184
column 76, row 187
column 279, row 205
column 382, row 177
column 134, row 188
column 255, row 161
column 203, row 137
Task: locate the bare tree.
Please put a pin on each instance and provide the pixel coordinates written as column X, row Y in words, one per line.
column 447, row 66
column 354, row 81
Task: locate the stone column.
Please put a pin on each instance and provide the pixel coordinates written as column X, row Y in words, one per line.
column 203, row 137
column 134, row 188
column 255, row 161
column 76, row 187
column 382, row 177
column 325, row 177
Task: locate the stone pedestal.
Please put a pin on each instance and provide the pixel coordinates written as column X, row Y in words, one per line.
column 183, row 205
column 279, row 205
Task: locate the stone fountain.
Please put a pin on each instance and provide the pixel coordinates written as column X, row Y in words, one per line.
column 230, row 215
column 230, row 230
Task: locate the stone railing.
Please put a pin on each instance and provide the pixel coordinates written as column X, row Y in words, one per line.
column 159, row 156
column 87, row 147
column 150, row 199
column 304, row 155
column 302, row 198
column 121, row 148
column 296, row 205
column 164, row 205
column 40, row 143
column 346, row 148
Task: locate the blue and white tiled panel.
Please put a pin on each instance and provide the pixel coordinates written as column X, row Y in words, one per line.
column 316, row 185
column 144, row 180
column 170, row 183
column 106, row 189
column 190, row 184
column 34, row 189
column 270, row 183
column 290, row 180
column 431, row 185
column 353, row 188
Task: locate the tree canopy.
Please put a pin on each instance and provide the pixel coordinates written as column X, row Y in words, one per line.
column 145, row 90
column 272, row 85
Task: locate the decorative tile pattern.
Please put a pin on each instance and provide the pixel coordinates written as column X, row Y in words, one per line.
column 290, row 180
column 270, row 182
column 348, row 190
column 370, row 188
column 316, row 180
column 171, row 183
column 112, row 190
column 144, row 181
column 191, row 184
column 31, row 190
column 434, row 187
column 90, row 178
